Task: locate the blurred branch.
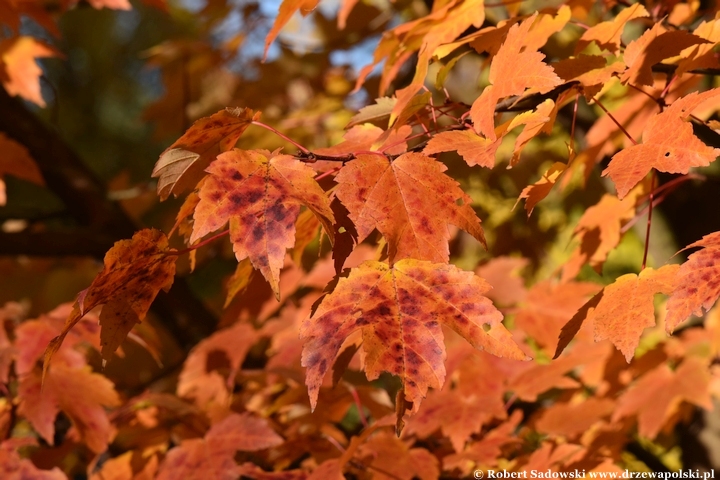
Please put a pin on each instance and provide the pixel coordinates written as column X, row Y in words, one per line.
column 104, row 222
column 80, row 242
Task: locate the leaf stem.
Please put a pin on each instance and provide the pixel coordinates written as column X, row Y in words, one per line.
column 649, row 221
column 572, row 127
column 198, row 245
column 615, row 120
column 358, row 404
column 281, row 135
column 327, row 174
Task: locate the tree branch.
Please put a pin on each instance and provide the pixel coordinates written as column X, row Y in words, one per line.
column 86, row 200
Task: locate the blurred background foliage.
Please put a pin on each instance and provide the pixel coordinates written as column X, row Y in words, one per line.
column 131, row 82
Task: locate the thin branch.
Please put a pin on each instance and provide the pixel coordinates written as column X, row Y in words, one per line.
column 281, row 135
column 649, row 222
column 615, row 120
column 201, row 244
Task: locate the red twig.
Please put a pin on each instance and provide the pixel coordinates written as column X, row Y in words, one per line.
column 327, row 174
column 198, row 245
column 643, row 91
column 649, row 221
column 615, row 120
column 574, row 119
column 282, row 135
column 358, row 404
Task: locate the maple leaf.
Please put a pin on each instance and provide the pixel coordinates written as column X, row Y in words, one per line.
column 400, row 310
column 503, row 274
column 213, row 455
column 473, row 148
column 79, row 393
column 477, row 397
column 599, row 231
column 669, row 145
column 570, row 419
column 548, row 306
column 181, row 165
column 654, row 45
column 456, row 17
column 657, row 395
column 134, row 272
column 540, row 189
column 390, row 455
column 369, row 137
column 592, row 71
column 16, row 161
column 375, row 112
column 260, row 195
column 19, row 72
column 488, row 450
column 607, row 34
column 112, row 4
column 623, row 309
column 514, row 69
column 698, row 282
column 535, row 122
column 14, row 467
column 199, row 381
column 702, row 55
column 287, row 9
column 33, row 336
column 409, row 200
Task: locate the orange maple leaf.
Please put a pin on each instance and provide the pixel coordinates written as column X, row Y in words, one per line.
column 657, row 394
column 623, row 309
column 198, row 381
column 399, row 310
column 79, row 393
column 654, row 45
column 539, row 190
column 503, row 273
column 669, row 145
column 702, row 55
column 16, row 161
column 287, row 10
column 444, row 24
column 15, row 467
column 571, row 419
column 409, row 200
column 514, row 69
column 548, row 306
column 393, row 457
column 134, row 272
column 599, row 231
column 476, row 397
column 19, row 72
column 365, row 136
column 698, row 282
column 181, row 165
column 607, row 34
column 592, row 71
column 214, row 455
column 259, row 193
column 473, row 148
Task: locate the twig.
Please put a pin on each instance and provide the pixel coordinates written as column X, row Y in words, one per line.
column 615, row 120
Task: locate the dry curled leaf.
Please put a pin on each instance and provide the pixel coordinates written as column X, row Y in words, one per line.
column 181, row 165
column 134, row 272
